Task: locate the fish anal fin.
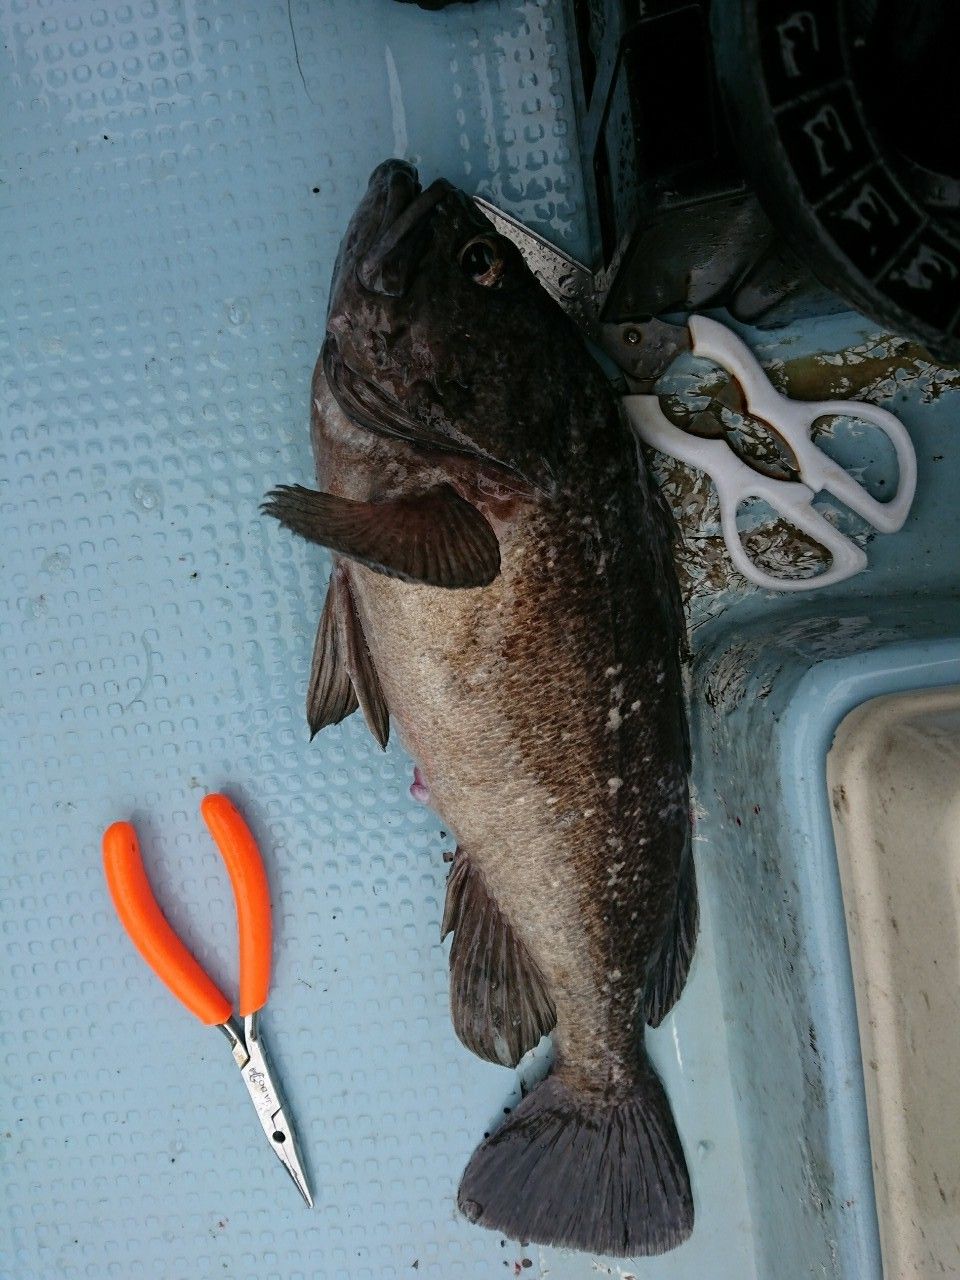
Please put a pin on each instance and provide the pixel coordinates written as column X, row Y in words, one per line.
column 669, row 974
column 357, row 660
column 498, row 997
column 436, row 538
column 330, row 693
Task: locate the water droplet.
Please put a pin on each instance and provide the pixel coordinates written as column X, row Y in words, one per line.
column 472, row 1211
column 237, row 314
column 146, row 495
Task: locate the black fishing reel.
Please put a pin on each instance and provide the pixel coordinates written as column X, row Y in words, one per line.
column 779, row 157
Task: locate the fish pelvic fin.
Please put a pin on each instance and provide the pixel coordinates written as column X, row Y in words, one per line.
column 436, row 538
column 330, row 693
column 668, row 975
column 498, row 997
column 342, row 674
column 359, row 663
column 581, row 1171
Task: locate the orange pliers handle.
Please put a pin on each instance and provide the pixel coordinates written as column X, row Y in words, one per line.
column 152, row 935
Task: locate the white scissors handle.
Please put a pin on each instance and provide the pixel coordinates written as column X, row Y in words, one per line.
column 735, row 482
column 793, row 420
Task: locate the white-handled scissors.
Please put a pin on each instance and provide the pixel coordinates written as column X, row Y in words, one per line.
column 578, row 291
column 792, row 421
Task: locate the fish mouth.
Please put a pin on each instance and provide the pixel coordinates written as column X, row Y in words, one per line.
column 388, row 233
column 393, row 185
column 389, row 265
column 380, row 254
column 382, row 249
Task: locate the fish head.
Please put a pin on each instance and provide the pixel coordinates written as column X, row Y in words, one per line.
column 440, row 334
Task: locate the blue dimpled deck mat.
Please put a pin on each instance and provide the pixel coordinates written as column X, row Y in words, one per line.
column 174, row 180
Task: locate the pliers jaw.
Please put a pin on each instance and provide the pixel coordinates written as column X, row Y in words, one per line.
column 247, row 1048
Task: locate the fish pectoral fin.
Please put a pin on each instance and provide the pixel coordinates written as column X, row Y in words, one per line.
column 668, row 975
column 359, row 663
column 436, row 538
column 498, row 997
column 330, row 693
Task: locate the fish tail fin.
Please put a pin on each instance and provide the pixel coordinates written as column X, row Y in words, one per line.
column 584, row 1172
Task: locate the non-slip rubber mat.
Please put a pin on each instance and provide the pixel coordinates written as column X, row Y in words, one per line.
column 174, row 180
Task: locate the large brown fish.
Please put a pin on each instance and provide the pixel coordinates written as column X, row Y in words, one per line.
column 503, row 589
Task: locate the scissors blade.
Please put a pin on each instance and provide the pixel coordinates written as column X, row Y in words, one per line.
column 265, row 1096
column 641, row 349
column 570, row 283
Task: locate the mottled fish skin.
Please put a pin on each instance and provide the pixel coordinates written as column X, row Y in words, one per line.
column 545, row 709
column 546, row 717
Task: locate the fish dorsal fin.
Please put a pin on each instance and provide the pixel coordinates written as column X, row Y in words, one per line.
column 498, row 997
column 330, row 694
column 436, row 538
column 342, row 674
column 668, row 974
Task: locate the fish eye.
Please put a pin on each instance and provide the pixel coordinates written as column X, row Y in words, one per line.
column 482, row 261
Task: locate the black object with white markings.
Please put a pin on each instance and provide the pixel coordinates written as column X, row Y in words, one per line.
column 746, row 154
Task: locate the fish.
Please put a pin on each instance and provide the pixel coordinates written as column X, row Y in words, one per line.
column 503, row 591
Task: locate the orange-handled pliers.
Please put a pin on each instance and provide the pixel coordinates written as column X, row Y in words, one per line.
column 174, row 965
